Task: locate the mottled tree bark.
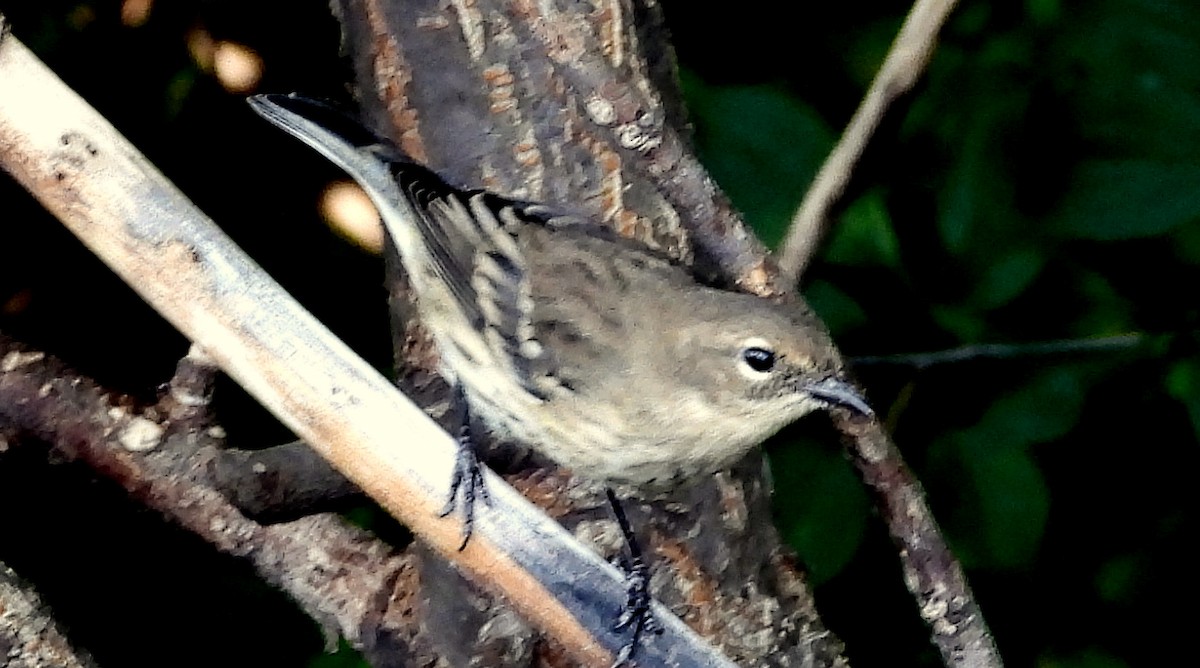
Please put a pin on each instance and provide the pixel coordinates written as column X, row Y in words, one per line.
column 29, row 636
column 577, row 104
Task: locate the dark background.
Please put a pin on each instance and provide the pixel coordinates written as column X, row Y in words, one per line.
column 1042, row 184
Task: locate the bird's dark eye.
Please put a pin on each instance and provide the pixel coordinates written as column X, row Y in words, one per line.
column 759, row 359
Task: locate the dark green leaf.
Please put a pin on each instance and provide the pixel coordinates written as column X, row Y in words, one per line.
column 1043, row 12
column 1118, row 578
column 1108, row 312
column 1013, row 504
column 962, row 321
column 1042, row 410
column 838, row 310
column 1125, row 199
column 1008, row 276
column 1183, row 383
column 864, row 235
column 820, row 506
column 761, row 145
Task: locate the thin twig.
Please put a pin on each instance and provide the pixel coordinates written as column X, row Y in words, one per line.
column 189, row 392
column 932, row 574
column 995, row 351
column 900, row 70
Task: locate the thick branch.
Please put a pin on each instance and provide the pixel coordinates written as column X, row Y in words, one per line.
column 351, row 583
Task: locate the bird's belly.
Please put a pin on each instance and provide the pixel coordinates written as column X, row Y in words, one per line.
column 599, row 438
column 609, row 451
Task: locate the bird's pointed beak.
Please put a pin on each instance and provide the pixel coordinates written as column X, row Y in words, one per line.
column 837, row 392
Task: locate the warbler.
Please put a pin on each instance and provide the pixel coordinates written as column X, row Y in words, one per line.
column 601, row 353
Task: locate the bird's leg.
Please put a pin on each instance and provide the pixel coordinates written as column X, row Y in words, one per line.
column 468, row 472
column 636, row 614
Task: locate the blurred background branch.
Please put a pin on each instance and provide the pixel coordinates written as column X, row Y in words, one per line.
column 901, row 69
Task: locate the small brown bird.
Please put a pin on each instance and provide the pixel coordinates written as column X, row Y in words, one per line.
column 599, row 352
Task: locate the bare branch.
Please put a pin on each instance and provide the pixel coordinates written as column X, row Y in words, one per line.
column 931, row 572
column 349, row 582
column 29, row 637
column 900, row 71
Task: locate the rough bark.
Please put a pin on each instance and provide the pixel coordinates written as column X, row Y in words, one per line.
column 576, row 103
column 29, row 637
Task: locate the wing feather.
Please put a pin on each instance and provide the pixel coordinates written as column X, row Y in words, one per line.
column 471, row 242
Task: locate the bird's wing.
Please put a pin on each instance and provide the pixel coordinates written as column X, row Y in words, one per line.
column 468, row 240
column 474, row 244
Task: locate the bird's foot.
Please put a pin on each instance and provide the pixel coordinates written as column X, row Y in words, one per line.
column 467, row 482
column 637, row 614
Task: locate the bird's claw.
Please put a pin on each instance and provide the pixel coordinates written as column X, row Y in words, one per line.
column 467, row 478
column 636, row 614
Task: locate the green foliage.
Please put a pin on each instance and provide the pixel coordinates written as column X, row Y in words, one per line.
column 864, row 235
column 1046, row 407
column 1012, row 505
column 1004, row 500
column 1043, row 183
column 761, row 145
column 837, row 309
column 1183, row 384
column 1137, row 100
column 1125, row 199
column 1117, row 579
column 1006, row 278
column 821, row 511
